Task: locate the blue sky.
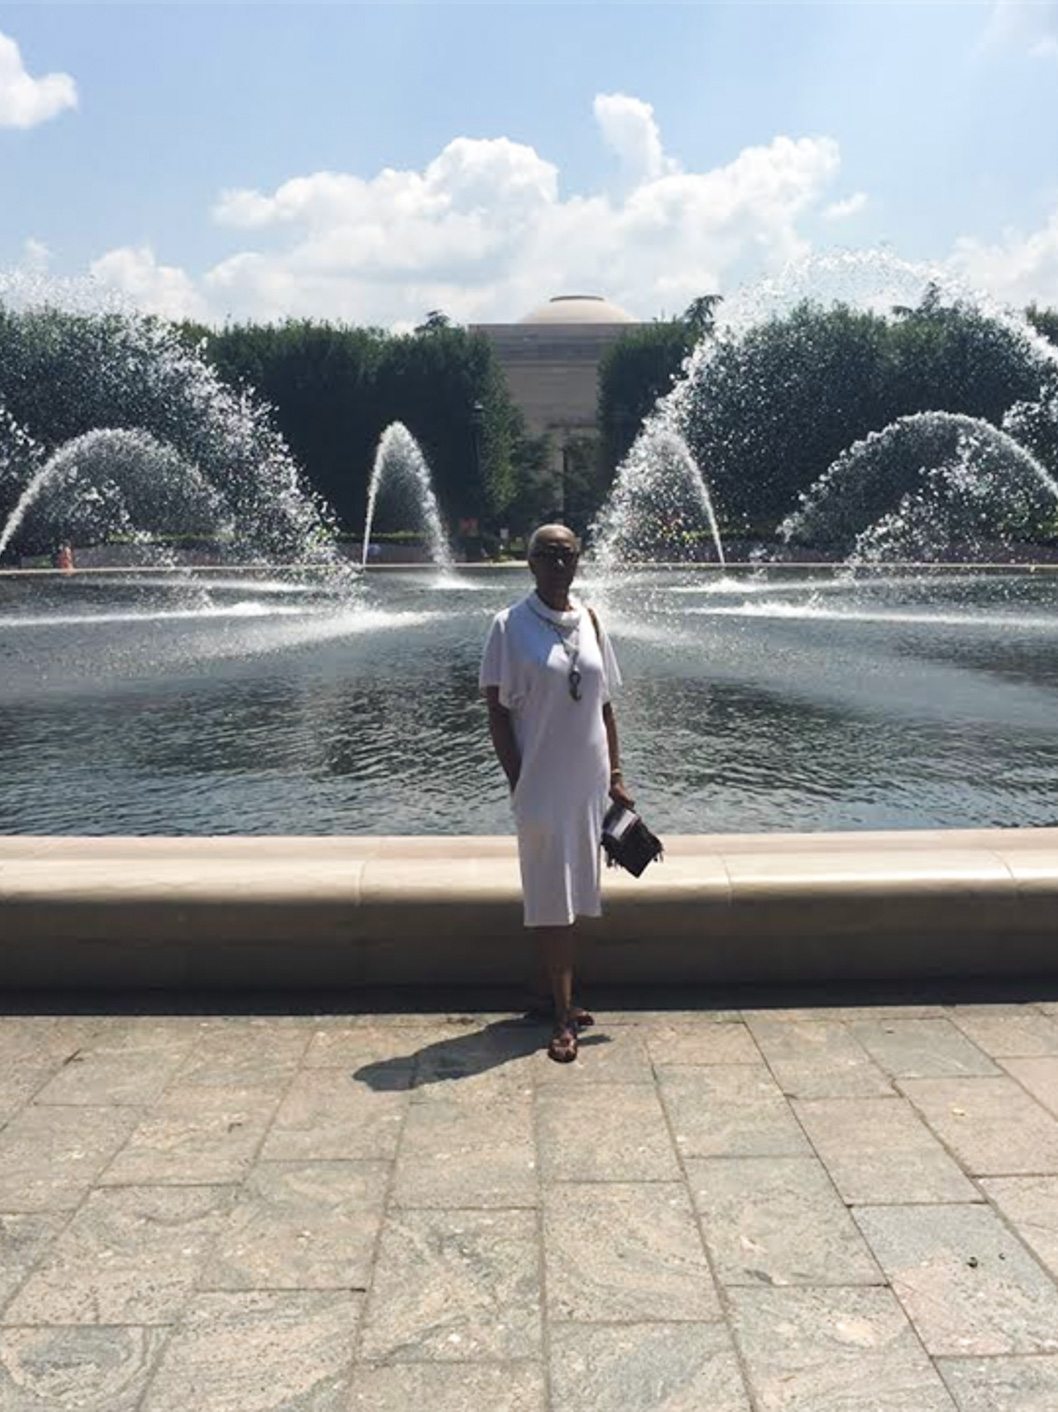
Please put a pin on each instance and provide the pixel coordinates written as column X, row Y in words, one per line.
column 230, row 160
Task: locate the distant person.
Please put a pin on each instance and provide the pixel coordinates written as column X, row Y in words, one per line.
column 63, row 558
column 548, row 671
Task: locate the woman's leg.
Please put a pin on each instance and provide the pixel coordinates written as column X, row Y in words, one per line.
column 556, row 955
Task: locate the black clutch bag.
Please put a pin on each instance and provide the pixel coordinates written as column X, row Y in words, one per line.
column 627, row 842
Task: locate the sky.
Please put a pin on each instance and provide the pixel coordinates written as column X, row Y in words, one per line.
column 371, row 162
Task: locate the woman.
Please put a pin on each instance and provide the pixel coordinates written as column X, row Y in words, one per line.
column 547, row 673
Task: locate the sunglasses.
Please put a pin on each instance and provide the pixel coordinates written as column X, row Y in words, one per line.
column 555, row 554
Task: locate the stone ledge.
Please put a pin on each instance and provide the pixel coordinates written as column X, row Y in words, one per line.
column 353, row 910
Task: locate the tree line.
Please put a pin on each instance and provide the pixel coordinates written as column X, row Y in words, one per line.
column 333, row 389
column 773, row 408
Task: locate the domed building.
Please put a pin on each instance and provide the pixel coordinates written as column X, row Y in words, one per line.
column 551, row 360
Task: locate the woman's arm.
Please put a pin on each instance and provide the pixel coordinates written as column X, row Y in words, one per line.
column 618, row 793
column 502, row 733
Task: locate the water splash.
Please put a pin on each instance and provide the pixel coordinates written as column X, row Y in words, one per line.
column 113, row 482
column 932, row 486
column 400, row 462
column 73, row 366
column 659, row 508
column 874, row 281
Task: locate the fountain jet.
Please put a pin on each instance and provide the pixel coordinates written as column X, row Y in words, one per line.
column 399, row 459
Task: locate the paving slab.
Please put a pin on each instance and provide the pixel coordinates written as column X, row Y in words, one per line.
column 301, row 1225
column 23, row 1241
column 834, row 1350
column 649, row 1367
column 50, row 1156
column 357, row 1044
column 729, row 1110
column 618, row 1056
column 449, row 1387
column 1039, row 1076
column 927, row 1048
column 130, row 1254
column 818, row 1059
column 991, row 1125
column 243, row 1058
column 646, row 1018
column 459, row 1154
column 688, row 1043
column 968, row 1285
column 879, row 1150
column 1030, row 1204
column 193, row 1137
column 76, row 1369
column 615, row 1132
column 1002, row 1384
column 129, row 1076
column 777, row 1221
column 258, row 1352
column 327, row 1113
column 504, row 1050
column 421, row 1209
column 625, row 1252
column 455, row 1285
column 23, row 1074
column 812, row 1013
column 1017, row 1033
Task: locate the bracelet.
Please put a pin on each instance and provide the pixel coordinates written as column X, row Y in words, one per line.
column 616, row 775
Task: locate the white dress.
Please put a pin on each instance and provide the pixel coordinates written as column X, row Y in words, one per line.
column 563, row 787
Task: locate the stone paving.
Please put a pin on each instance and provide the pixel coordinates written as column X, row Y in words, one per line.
column 779, row 1208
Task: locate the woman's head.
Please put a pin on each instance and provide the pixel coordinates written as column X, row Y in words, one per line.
column 553, row 553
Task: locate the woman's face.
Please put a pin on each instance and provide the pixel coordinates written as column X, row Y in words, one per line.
column 553, row 560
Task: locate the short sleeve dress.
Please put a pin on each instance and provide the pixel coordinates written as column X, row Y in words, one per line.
column 563, row 787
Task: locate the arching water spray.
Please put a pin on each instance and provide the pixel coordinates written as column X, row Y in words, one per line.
column 929, row 486
column 399, row 459
column 113, row 480
column 659, row 508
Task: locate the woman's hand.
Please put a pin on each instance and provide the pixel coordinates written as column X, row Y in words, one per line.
column 620, row 795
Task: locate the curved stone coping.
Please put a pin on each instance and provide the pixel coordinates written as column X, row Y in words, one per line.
column 276, row 910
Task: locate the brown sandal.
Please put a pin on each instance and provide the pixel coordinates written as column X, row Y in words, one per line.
column 563, row 1046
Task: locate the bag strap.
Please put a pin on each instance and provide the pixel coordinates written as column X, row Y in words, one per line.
column 595, row 623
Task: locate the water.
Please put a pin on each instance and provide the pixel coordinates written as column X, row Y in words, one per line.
column 659, row 508
column 929, row 486
column 754, row 700
column 76, row 374
column 111, row 482
column 401, row 465
column 797, row 373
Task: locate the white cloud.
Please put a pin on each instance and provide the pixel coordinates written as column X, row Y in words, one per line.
column 628, row 127
column 158, row 289
column 36, row 257
column 1019, row 269
column 484, row 232
column 850, row 206
column 1031, row 25
column 26, row 101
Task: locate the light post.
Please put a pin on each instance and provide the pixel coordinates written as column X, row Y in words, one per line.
column 477, row 418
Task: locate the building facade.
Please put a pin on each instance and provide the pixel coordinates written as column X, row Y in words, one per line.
column 551, row 362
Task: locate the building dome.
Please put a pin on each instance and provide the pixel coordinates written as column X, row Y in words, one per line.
column 578, row 309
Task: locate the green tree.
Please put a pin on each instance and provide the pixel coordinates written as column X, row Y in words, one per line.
column 1044, row 321
column 334, row 389
column 700, row 314
column 773, row 409
column 435, row 320
column 634, row 372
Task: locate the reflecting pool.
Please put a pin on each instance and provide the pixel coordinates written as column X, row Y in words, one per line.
column 778, row 699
